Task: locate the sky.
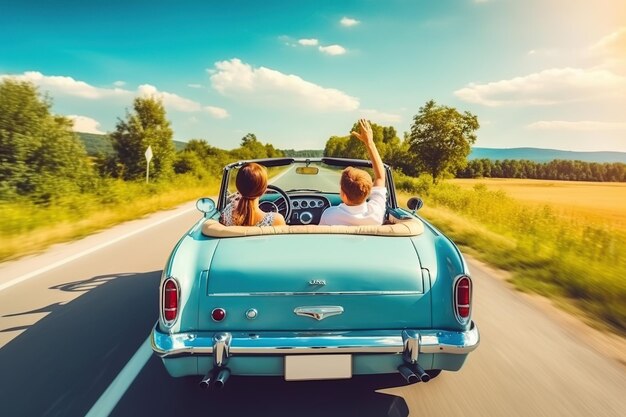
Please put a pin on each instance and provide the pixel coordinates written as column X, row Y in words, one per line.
column 537, row 73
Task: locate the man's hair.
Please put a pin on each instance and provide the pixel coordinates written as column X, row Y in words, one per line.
column 356, row 184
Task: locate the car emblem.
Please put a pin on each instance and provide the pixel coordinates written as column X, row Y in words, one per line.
column 317, row 282
column 318, row 313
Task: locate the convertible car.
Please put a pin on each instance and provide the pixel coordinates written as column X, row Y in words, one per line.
column 311, row 302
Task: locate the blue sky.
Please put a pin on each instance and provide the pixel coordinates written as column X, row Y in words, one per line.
column 539, row 73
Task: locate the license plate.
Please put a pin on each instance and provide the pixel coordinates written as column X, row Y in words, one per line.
column 309, row 367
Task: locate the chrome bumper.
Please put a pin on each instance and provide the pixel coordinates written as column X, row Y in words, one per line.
column 222, row 345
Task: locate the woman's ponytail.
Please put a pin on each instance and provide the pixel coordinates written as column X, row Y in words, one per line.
column 251, row 183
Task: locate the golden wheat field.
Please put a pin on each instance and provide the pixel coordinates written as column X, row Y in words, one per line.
column 598, row 202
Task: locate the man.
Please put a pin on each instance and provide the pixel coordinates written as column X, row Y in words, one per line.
column 356, row 185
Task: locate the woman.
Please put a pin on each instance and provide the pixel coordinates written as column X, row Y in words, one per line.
column 251, row 183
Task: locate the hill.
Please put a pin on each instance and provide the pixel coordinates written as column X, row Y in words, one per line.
column 101, row 144
column 545, row 155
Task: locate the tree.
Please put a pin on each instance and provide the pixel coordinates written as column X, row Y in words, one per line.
column 386, row 139
column 252, row 148
column 441, row 139
column 40, row 156
column 147, row 126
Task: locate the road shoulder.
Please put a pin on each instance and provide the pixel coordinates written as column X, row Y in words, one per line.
column 606, row 343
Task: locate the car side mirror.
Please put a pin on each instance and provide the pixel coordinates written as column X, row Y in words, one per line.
column 205, row 205
column 415, row 203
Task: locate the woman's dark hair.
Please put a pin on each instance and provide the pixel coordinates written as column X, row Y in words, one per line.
column 251, row 183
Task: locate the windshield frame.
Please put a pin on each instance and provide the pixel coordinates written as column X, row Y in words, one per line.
column 277, row 162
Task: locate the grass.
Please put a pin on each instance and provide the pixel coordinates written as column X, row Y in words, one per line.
column 560, row 254
column 26, row 228
column 555, row 241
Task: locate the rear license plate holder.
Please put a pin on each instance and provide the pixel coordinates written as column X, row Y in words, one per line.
column 316, row 367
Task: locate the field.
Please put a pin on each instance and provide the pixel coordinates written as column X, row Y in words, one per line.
column 564, row 240
column 598, row 202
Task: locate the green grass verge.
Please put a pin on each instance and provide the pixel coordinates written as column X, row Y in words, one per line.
column 26, row 228
column 560, row 257
column 564, row 258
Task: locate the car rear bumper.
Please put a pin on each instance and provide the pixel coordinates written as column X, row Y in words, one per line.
column 223, row 345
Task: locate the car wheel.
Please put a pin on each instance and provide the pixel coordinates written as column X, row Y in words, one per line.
column 433, row 373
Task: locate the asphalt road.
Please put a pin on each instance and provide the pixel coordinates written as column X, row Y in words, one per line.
column 73, row 327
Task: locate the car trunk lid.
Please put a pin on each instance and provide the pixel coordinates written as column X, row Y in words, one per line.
column 355, row 281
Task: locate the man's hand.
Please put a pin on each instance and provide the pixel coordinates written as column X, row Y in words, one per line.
column 365, row 133
column 366, row 136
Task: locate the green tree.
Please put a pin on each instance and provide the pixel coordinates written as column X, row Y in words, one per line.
column 252, row 148
column 441, row 139
column 40, row 156
column 146, row 126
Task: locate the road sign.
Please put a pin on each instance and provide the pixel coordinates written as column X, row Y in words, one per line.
column 149, row 154
column 148, row 158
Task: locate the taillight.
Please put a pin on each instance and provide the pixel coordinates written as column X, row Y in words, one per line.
column 170, row 300
column 463, row 297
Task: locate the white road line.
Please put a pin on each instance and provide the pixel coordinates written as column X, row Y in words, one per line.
column 112, row 395
column 277, row 177
column 47, row 268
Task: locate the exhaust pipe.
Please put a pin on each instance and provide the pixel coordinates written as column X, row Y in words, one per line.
column 206, row 381
column 421, row 373
column 221, row 379
column 408, row 374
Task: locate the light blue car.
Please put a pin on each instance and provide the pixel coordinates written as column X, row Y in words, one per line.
column 310, row 302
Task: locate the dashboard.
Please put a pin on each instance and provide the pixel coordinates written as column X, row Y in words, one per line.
column 307, row 209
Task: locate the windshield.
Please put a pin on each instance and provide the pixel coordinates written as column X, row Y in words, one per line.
column 300, row 176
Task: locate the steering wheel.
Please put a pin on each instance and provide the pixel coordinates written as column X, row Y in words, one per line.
column 281, row 205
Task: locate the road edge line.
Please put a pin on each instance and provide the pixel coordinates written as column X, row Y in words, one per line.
column 47, row 268
column 116, row 389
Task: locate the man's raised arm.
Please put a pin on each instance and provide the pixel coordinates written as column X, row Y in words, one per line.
column 366, row 136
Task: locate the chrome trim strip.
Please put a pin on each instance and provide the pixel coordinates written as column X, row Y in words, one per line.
column 281, row 343
column 318, row 312
column 300, row 293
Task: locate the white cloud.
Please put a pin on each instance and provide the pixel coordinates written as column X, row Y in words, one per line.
column 613, row 44
column 547, row 87
column 68, row 86
column 265, row 86
column 543, row 52
column 62, row 85
column 194, row 85
column 333, row 49
column 611, row 50
column 308, row 42
column 348, row 22
column 380, row 117
column 170, row 100
column 216, row 112
column 85, row 124
column 119, row 83
column 581, row 126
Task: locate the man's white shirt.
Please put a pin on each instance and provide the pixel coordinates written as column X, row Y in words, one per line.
column 371, row 212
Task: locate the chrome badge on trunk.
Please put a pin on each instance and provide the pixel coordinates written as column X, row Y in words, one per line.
column 319, row 312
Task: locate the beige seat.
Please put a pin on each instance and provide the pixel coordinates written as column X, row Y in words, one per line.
column 411, row 227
